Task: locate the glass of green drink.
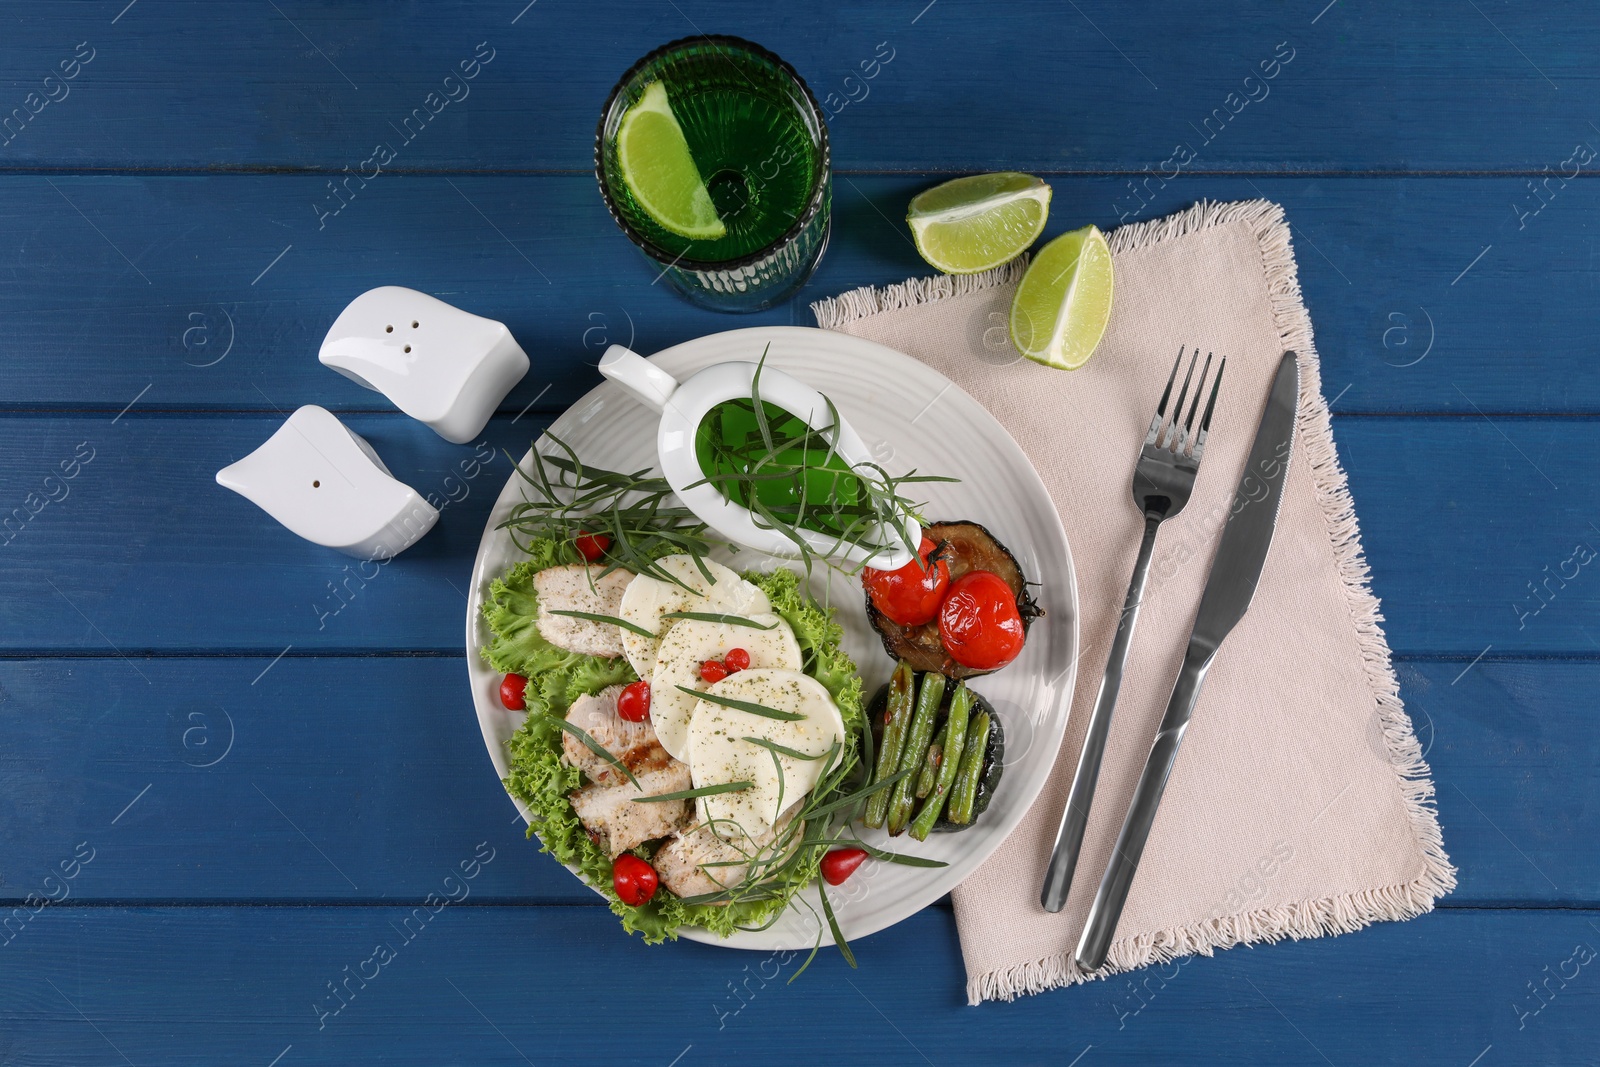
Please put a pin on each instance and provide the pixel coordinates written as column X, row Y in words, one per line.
column 712, row 156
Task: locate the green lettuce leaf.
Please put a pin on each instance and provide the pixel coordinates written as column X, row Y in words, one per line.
column 557, row 678
column 818, row 636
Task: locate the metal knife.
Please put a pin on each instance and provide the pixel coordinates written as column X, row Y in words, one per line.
column 1234, row 574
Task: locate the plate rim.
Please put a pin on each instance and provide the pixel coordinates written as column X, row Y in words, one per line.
column 1056, row 719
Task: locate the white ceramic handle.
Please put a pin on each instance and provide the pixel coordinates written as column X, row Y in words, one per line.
column 644, row 381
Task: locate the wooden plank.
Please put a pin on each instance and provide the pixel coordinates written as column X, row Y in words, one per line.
column 1038, row 86
column 144, row 551
column 1496, row 737
column 360, row 779
column 256, row 779
column 215, row 293
column 1458, row 573
column 522, row 985
column 159, row 556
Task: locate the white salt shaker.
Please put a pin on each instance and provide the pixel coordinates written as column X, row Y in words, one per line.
column 438, row 364
column 325, row 483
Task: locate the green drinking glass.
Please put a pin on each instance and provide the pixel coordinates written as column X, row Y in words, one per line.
column 758, row 139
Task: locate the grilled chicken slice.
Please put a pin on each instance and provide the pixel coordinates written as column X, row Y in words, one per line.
column 576, row 587
column 608, row 809
column 633, row 744
column 680, row 863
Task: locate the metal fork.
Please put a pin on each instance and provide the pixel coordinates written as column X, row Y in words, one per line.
column 1162, row 481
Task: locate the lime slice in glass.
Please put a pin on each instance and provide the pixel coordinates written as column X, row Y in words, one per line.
column 656, row 166
column 1064, row 300
column 976, row 223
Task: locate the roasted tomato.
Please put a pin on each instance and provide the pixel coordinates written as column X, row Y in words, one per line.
column 910, row 596
column 967, row 547
column 979, row 624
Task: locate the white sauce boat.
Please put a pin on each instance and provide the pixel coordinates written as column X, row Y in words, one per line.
column 684, row 405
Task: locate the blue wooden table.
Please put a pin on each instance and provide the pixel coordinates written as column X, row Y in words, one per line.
column 228, row 770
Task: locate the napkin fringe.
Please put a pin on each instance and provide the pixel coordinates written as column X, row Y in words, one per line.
column 836, row 312
column 1304, row 919
column 1327, row 915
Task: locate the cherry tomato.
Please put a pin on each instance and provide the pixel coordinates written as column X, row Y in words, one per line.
column 713, row 671
column 592, row 546
column 909, row 596
column 841, row 863
column 512, row 688
column 979, row 625
column 633, row 703
column 737, row 659
column 634, row 880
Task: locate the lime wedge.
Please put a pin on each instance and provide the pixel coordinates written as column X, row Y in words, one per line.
column 976, row 223
column 658, row 170
column 1064, row 300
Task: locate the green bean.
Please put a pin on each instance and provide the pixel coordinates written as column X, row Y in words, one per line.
column 964, row 793
column 955, row 733
column 896, row 720
column 929, row 696
column 930, row 764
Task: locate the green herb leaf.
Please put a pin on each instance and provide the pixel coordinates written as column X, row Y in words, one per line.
column 757, row 405
column 896, row 857
column 612, row 619
column 717, row 616
column 769, row 924
column 833, row 925
column 814, row 949
column 868, row 753
column 691, row 794
column 777, row 765
column 743, row 705
column 594, row 746
column 792, row 753
column 859, row 795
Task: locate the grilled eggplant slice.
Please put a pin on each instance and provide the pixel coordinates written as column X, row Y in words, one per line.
column 967, row 546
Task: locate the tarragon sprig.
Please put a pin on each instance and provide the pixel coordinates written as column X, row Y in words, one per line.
column 565, row 498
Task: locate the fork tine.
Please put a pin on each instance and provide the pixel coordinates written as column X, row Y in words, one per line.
column 1161, row 408
column 1171, row 436
column 1188, row 424
column 1205, row 420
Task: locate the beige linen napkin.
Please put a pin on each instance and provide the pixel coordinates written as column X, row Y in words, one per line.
column 1300, row 805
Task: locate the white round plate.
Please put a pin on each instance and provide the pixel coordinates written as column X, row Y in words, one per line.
column 911, row 417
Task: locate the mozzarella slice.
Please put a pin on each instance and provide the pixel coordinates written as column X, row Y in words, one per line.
column 689, row 644
column 647, row 599
column 719, row 754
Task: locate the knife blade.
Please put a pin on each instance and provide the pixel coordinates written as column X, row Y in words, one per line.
column 1252, row 518
column 1253, row 515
